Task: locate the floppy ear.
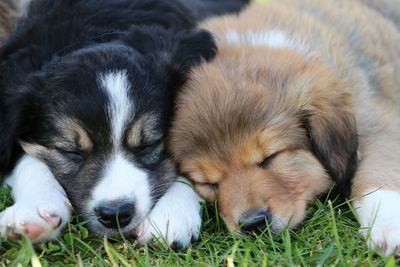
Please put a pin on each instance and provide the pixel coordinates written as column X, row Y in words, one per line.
column 179, row 50
column 18, row 111
column 193, row 48
column 332, row 130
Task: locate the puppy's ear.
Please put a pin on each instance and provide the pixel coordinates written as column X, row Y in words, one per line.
column 332, row 130
column 18, row 112
column 179, row 50
column 193, row 48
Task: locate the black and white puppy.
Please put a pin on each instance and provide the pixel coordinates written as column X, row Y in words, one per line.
column 86, row 96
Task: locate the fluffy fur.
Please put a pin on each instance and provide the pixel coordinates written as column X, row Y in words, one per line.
column 302, row 95
column 87, row 90
column 387, row 8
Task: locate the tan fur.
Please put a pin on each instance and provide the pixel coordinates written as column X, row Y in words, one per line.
column 388, row 8
column 39, row 151
column 74, row 139
column 339, row 76
column 75, row 135
column 143, row 127
column 7, row 20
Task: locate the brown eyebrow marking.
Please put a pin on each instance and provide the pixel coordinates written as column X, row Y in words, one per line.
column 143, row 130
column 73, row 131
column 133, row 137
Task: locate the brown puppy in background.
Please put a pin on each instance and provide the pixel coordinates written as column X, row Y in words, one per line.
column 7, row 19
column 300, row 93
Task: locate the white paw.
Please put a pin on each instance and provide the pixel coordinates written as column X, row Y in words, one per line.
column 175, row 219
column 39, row 219
column 41, row 207
column 380, row 220
column 384, row 236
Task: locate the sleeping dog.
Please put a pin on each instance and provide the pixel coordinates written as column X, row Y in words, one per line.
column 301, row 95
column 86, row 96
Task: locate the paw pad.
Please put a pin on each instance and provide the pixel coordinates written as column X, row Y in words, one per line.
column 38, row 222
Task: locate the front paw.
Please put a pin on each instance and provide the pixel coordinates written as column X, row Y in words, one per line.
column 380, row 220
column 384, row 236
column 175, row 219
column 39, row 222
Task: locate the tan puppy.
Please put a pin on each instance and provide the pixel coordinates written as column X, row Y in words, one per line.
column 301, row 92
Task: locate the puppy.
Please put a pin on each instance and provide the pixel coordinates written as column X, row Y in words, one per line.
column 300, row 94
column 86, row 97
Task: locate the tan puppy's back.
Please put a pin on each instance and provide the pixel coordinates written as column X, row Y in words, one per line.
column 374, row 42
column 345, row 33
column 390, row 9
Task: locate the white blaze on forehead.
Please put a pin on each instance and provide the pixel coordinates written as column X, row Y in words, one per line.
column 271, row 38
column 123, row 181
column 119, row 110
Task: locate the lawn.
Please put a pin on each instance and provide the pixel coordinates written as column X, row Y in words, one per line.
column 329, row 237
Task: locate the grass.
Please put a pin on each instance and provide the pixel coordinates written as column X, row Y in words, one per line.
column 328, row 238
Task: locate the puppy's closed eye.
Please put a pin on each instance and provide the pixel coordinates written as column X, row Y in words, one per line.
column 267, row 160
column 146, row 147
column 72, row 154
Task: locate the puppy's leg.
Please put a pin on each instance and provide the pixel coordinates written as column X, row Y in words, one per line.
column 41, row 207
column 376, row 191
column 175, row 219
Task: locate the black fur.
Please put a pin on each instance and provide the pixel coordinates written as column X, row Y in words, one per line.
column 205, row 8
column 337, row 148
column 53, row 29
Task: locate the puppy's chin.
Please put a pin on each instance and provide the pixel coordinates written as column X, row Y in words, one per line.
column 97, row 229
column 277, row 223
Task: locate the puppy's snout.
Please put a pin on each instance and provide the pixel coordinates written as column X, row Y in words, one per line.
column 254, row 221
column 115, row 214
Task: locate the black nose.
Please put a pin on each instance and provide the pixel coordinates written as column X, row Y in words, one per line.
column 254, row 221
column 115, row 214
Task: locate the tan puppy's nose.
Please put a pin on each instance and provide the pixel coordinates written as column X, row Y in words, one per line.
column 254, row 221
